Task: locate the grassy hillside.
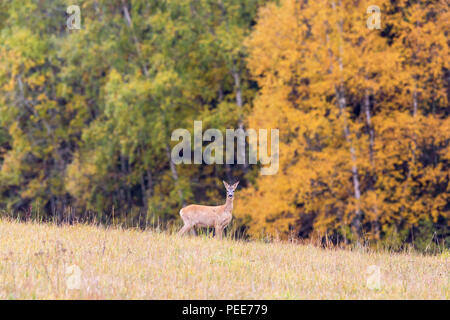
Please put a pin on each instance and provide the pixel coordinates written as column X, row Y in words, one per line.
column 35, row 262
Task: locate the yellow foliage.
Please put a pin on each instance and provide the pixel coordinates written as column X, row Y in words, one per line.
column 316, row 63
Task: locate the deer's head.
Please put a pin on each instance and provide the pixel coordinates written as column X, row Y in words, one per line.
column 230, row 189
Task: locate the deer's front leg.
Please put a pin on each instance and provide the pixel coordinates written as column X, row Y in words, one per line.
column 219, row 231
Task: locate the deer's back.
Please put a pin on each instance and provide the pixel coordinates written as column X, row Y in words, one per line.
column 202, row 215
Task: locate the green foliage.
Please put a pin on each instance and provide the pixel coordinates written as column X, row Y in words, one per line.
column 86, row 115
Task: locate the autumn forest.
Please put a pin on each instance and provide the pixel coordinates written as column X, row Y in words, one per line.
column 86, row 114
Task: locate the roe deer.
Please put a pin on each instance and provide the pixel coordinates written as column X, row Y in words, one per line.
column 209, row 216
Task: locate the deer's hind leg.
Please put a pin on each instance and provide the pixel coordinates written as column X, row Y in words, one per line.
column 187, row 227
column 183, row 230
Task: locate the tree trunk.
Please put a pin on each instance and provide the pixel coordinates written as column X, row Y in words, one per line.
column 342, row 102
column 357, row 221
column 136, row 42
column 146, row 190
column 235, row 72
column 123, row 187
column 227, row 166
column 146, row 73
column 237, row 86
column 173, row 169
column 144, row 194
column 375, row 224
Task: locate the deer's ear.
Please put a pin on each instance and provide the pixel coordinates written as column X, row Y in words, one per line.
column 225, row 184
column 235, row 185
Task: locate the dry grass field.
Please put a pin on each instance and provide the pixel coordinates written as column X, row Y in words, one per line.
column 44, row 261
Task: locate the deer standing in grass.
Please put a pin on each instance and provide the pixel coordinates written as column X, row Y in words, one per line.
column 209, row 216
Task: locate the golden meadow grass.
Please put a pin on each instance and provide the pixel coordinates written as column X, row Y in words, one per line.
column 134, row 264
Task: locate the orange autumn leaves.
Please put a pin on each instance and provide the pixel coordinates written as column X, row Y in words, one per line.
column 362, row 115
